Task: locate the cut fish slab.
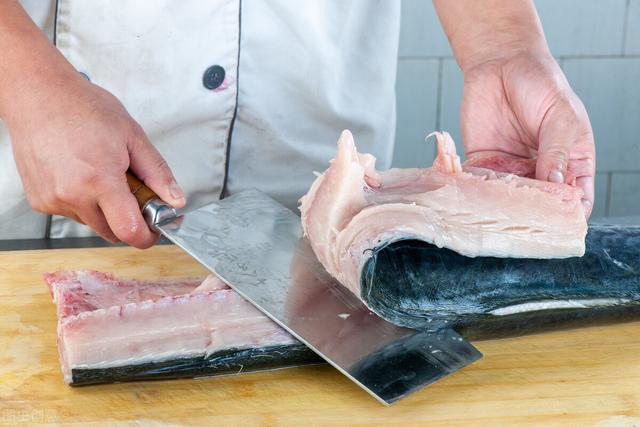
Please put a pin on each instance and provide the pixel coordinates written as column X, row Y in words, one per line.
column 112, row 329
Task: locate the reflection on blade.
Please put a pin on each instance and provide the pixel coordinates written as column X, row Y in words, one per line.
column 255, row 245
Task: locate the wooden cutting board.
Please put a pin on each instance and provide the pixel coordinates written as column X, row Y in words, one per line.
column 582, row 377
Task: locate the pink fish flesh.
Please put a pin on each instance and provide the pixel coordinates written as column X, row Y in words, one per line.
column 352, row 209
column 112, row 329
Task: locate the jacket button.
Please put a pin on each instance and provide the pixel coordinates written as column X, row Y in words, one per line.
column 213, row 77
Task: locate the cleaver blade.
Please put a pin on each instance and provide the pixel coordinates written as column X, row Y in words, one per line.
column 256, row 245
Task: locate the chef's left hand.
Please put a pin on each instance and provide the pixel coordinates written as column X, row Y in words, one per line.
column 523, row 106
column 516, row 99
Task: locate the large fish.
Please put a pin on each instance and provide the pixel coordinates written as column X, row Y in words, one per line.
column 113, row 329
column 451, row 246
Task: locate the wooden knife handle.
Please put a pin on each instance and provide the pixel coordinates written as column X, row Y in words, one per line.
column 141, row 192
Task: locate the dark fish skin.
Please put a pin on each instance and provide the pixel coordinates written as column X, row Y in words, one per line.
column 232, row 361
column 415, row 284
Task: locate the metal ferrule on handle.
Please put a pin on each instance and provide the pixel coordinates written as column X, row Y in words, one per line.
column 157, row 212
column 154, row 210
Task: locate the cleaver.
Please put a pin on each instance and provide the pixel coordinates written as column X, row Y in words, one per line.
column 256, row 245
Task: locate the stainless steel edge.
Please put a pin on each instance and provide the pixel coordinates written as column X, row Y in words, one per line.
column 256, row 245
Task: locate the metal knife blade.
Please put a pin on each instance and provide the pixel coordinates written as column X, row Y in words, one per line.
column 256, row 245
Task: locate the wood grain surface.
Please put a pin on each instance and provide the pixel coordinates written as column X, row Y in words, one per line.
column 586, row 377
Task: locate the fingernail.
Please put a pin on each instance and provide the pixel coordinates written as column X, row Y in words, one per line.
column 586, row 204
column 556, row 176
column 176, row 191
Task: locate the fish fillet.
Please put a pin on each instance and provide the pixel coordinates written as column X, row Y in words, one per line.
column 352, row 208
column 112, row 329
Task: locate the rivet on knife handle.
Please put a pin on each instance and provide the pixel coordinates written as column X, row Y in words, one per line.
column 154, row 210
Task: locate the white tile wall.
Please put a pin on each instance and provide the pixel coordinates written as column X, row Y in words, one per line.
column 602, row 187
column 632, row 37
column 598, row 44
column 610, row 89
column 625, row 194
column 451, row 100
column 583, row 27
column 417, row 92
column 421, row 33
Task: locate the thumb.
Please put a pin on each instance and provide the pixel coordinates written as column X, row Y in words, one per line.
column 152, row 169
column 555, row 141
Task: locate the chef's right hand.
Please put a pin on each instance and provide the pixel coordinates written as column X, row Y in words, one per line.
column 72, row 140
column 72, row 150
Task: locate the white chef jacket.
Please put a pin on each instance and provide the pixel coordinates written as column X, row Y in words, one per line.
column 235, row 94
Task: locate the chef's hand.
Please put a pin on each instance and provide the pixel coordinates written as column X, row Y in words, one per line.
column 516, row 99
column 522, row 106
column 72, row 140
column 72, row 153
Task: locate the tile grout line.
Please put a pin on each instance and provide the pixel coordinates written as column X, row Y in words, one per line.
column 429, row 57
column 565, row 56
column 625, row 26
column 607, row 207
column 598, row 56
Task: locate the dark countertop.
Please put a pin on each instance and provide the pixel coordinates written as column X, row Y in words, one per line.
column 71, row 242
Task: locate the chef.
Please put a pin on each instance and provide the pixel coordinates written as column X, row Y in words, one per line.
column 202, row 99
